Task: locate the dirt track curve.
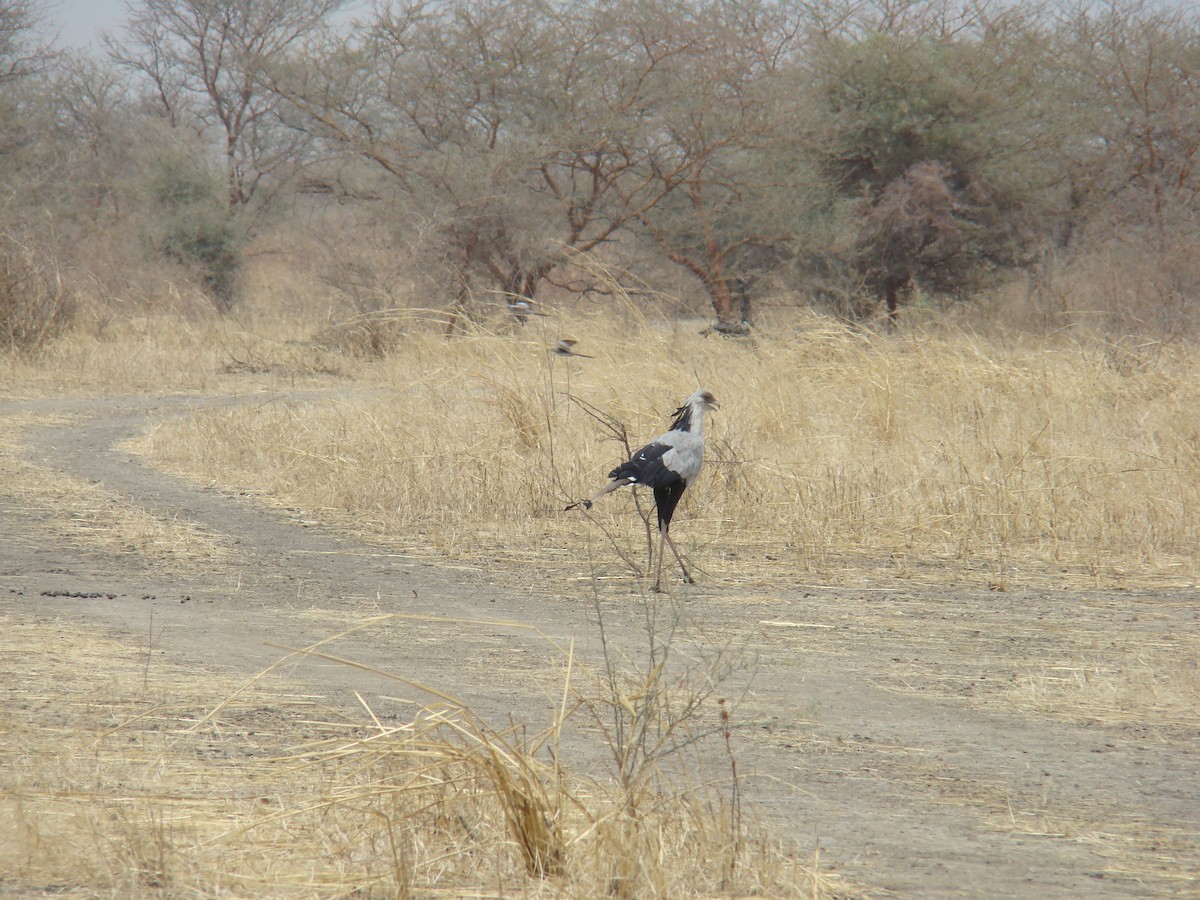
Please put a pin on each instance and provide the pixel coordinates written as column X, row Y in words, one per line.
column 861, row 736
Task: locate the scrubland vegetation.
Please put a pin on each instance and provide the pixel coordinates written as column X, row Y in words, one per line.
column 141, row 783
column 957, row 237
column 861, row 159
column 936, row 260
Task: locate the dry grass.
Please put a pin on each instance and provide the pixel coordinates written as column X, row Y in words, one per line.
column 156, row 780
column 168, row 353
column 981, row 457
column 1153, row 684
column 936, row 454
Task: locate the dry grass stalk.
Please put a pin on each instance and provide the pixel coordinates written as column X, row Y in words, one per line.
column 104, row 792
column 34, row 305
column 629, row 839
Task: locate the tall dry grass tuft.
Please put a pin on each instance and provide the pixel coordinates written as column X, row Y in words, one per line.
column 438, row 794
column 451, row 797
column 986, row 455
column 157, row 780
column 1116, row 290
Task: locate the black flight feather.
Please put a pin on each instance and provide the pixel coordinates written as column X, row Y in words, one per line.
column 646, row 467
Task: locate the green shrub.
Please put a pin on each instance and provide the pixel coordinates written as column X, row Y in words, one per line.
column 194, row 227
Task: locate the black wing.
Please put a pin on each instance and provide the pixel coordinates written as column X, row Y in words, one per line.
column 647, row 467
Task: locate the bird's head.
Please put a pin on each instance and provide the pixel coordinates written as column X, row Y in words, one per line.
column 703, row 400
column 693, row 409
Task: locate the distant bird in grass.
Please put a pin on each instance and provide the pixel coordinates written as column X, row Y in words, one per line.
column 521, row 308
column 667, row 465
column 566, row 347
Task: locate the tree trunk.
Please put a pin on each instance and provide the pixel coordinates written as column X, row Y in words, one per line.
column 722, row 299
column 729, row 321
column 891, row 298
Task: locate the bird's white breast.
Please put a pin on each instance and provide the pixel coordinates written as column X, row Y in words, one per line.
column 686, row 455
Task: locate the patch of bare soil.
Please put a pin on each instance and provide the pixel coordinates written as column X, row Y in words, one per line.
column 928, row 741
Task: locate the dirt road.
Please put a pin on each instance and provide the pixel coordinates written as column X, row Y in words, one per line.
column 877, row 721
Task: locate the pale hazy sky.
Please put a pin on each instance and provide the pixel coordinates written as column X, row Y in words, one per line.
column 81, row 21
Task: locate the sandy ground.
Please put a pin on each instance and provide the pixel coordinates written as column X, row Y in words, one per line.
column 877, row 721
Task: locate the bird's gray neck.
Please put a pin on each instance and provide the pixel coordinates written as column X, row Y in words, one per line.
column 690, row 420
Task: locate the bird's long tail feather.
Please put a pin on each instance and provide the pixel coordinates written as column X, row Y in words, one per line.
column 607, row 489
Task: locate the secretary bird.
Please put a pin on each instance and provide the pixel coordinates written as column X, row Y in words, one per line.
column 667, row 465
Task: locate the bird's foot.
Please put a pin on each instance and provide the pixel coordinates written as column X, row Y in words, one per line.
column 586, row 504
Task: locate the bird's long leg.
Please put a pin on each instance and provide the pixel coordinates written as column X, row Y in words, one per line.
column 665, row 538
column 662, row 536
column 687, row 576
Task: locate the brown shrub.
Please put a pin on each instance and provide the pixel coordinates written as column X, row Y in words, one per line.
column 34, row 306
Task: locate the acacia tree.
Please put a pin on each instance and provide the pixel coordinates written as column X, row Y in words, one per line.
column 916, row 229
column 503, row 125
column 203, row 61
column 1129, row 71
column 939, row 141
column 23, row 54
column 713, row 150
column 97, row 130
column 23, row 51
column 531, row 132
column 33, row 306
